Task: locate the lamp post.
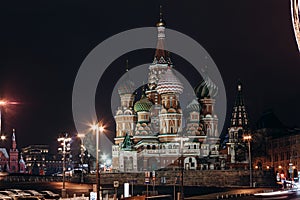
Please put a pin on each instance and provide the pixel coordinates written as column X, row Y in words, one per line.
column 248, row 139
column 64, row 140
column 81, row 136
column 98, row 129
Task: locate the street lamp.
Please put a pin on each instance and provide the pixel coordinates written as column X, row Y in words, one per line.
column 81, row 136
column 98, row 129
column 248, row 139
column 2, row 137
column 64, row 141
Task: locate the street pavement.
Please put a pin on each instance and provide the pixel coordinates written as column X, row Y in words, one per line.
column 244, row 193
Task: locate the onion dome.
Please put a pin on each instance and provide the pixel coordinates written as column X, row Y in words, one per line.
column 169, row 83
column 143, row 105
column 206, row 89
column 127, row 87
column 193, row 106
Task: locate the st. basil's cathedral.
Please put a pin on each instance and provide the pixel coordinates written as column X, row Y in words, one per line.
column 149, row 131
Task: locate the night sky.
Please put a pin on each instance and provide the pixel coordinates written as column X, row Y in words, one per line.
column 43, row 43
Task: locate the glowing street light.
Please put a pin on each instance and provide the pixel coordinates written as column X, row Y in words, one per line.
column 99, row 130
column 3, row 137
column 248, row 139
column 64, row 142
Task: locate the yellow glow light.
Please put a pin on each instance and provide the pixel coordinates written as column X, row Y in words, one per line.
column 94, row 127
column 2, row 103
column 247, row 137
column 81, row 135
column 101, row 128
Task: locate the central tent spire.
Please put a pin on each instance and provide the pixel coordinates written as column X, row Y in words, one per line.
column 161, row 55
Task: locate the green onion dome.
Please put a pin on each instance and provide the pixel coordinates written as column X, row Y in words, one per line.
column 143, row 105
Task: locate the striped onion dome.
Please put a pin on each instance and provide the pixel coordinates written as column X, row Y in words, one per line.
column 206, row 89
column 169, row 83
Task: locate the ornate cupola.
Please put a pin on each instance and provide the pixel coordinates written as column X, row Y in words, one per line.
column 169, row 83
column 169, row 87
column 125, row 117
column 143, row 127
column 206, row 91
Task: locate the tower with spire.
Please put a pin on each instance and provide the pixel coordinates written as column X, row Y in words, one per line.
column 125, row 117
column 239, row 125
column 161, row 62
column 14, row 155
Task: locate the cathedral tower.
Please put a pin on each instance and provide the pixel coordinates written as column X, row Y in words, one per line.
column 159, row 66
column 239, row 125
column 206, row 92
column 14, row 155
column 170, row 116
column 125, row 117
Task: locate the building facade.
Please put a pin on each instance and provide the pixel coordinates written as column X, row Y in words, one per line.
column 14, row 155
column 39, row 161
column 149, row 129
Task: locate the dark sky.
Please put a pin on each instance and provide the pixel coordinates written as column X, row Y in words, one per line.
column 43, row 43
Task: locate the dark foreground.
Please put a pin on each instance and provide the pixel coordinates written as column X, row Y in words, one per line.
column 189, row 192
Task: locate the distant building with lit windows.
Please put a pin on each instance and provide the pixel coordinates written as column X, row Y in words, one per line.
column 35, row 157
column 277, row 147
column 39, row 161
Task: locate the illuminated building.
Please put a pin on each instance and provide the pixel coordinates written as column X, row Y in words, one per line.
column 36, row 157
column 149, row 131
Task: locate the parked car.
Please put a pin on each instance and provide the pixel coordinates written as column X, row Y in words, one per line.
column 4, row 197
column 34, row 193
column 49, row 194
column 10, row 194
column 29, row 198
column 18, row 192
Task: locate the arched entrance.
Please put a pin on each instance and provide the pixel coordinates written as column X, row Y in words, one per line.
column 190, row 163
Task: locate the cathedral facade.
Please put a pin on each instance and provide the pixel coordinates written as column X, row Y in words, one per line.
column 153, row 131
